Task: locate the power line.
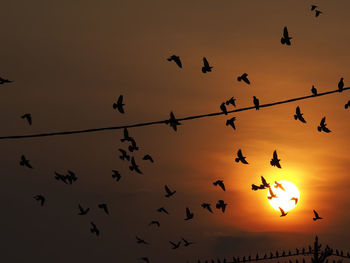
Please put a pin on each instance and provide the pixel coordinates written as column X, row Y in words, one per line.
column 164, row 121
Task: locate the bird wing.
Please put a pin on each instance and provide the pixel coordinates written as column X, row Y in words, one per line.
column 120, row 100
column 263, row 180
column 325, row 129
column 285, row 32
column 167, row 189
column 282, row 211
column 205, row 61
column 239, row 154
column 188, row 212
column 301, row 118
column 126, row 133
column 222, row 185
column 323, row 121
column 297, row 111
column 316, row 214
column 178, row 62
column 275, row 155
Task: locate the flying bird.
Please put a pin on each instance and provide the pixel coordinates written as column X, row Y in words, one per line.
column 282, row 212
column 298, row 115
column 275, row 161
column 40, row 199
column 176, row 59
column 323, row 125
column 126, row 136
column 186, row 243
column 124, row 155
column 285, row 40
column 134, row 166
column 231, row 122
column 173, row 122
column 317, row 13
column 272, row 194
column 314, row 90
column 189, row 215
column 61, row 177
column 133, row 147
column 313, row 7
column 223, row 108
column 116, row 175
column 119, row 105
column 240, row 157
column 94, row 229
column 163, row 210
column 154, row 223
column 221, row 205
column 256, row 102
column 255, row 187
column 28, row 117
column 231, row 101
column 206, row 68
column 264, row 182
column 148, row 157
column 295, row 199
column 244, row 77
column 141, row 241
column 3, row 81
column 175, row 246
column 316, row 216
column 220, row 183
column 278, row 185
column 207, row 206
column 71, row 177
column 347, row 105
column 104, row 208
column 25, row 162
column 341, row 85
column 83, row 211
column 168, row 191
column 145, row 259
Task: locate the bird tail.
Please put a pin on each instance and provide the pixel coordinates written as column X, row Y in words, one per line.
column 319, row 128
column 237, row 160
column 295, row 117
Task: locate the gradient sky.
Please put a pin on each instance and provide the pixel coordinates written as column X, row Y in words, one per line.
column 70, row 60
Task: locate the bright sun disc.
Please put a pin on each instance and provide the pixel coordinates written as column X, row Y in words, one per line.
column 287, row 199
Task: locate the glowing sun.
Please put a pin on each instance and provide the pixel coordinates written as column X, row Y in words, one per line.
column 283, row 194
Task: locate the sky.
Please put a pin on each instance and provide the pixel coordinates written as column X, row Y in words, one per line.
column 70, row 61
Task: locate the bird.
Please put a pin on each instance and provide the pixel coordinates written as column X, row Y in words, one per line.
column 25, row 162
column 71, row 177
column 244, row 77
column 314, row 90
column 83, row 211
column 255, row 187
column 133, row 147
column 240, row 157
column 3, row 81
column 148, row 157
column 272, row 194
column 28, row 117
column 323, row 125
column 173, row 122
column 145, row 259
column 124, row 155
column 141, row 241
column 298, row 115
column 347, row 105
column 264, row 182
column 176, row 59
column 275, row 161
column 116, row 175
column 282, row 212
column 186, row 243
column 313, row 7
column 295, row 199
column 168, row 191
column 162, row 210
column 223, row 108
column 231, row 122
column 61, row 177
column 119, row 105
column 126, row 136
column 256, row 102
column 278, row 185
column 231, row 101
column 134, row 166
column 206, row 68
column 285, row 40
column 189, row 215
column 317, row 13
column 221, row 205
column 316, row 216
column 94, row 229
column 341, row 85
column 104, row 207
column 154, row 223
column 40, row 199
column 175, row 246
column 207, row 206
column 220, row 183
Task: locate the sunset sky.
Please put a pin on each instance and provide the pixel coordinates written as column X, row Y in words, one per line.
column 70, row 61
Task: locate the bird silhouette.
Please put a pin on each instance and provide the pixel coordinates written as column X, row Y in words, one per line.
column 175, row 246
column 313, row 7
column 231, row 101
column 71, row 177
column 347, row 105
column 154, row 223
column 3, row 81
column 173, row 122
column 240, row 157
column 104, row 208
column 278, row 185
column 162, row 210
column 189, row 215
column 94, row 229
column 316, row 216
column 28, row 117
column 275, row 161
column 206, row 68
column 221, row 205
column 116, row 175
column 187, row 243
column 313, row 90
column 141, row 241
column 231, row 122
column 272, row 194
column 134, row 166
column 126, row 136
column 323, row 125
column 282, row 212
column 61, row 177
column 220, row 183
column 124, row 155
column 256, row 102
column 341, row 85
column 285, row 40
column 255, row 187
column 145, row 259
column 298, row 115
column 264, row 182
column 25, row 162
column 295, row 199
column 119, row 105
column 83, row 211
column 148, row 157
column 317, row 13
column 223, row 108
column 244, row 77
column 40, row 199
column 207, row 206
column 168, row 191
column 133, row 147
column 176, row 59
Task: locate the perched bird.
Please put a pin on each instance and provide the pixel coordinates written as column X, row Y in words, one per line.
column 255, row 187
column 61, row 177
column 134, row 166
column 347, row 105
column 298, row 115
column 272, row 194
column 94, row 229
column 231, row 101
column 316, row 216
column 317, row 13
column 119, row 105
column 124, row 155
column 175, row 246
column 189, row 215
column 145, row 259
column 314, row 90
column 341, row 85
column 3, row 81
column 126, row 136
column 275, row 161
column 282, row 212
column 223, row 108
column 264, row 182
column 206, row 68
column 25, row 162
column 173, row 122
column 168, row 191
column 207, row 206
column 154, row 223
column 278, row 185
column 220, row 183
column 133, row 147
column 116, row 175
column 104, row 208
column 83, row 211
column 148, row 157
column 285, row 40
column 162, row 209
column 141, row 241
column 231, row 122
column 295, row 199
column 313, row 7
column 323, row 125
column 221, row 205
column 176, row 59
column 256, row 102
column 240, row 157
column 186, row 243
column 40, row 199
column 28, row 117
column 244, row 77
